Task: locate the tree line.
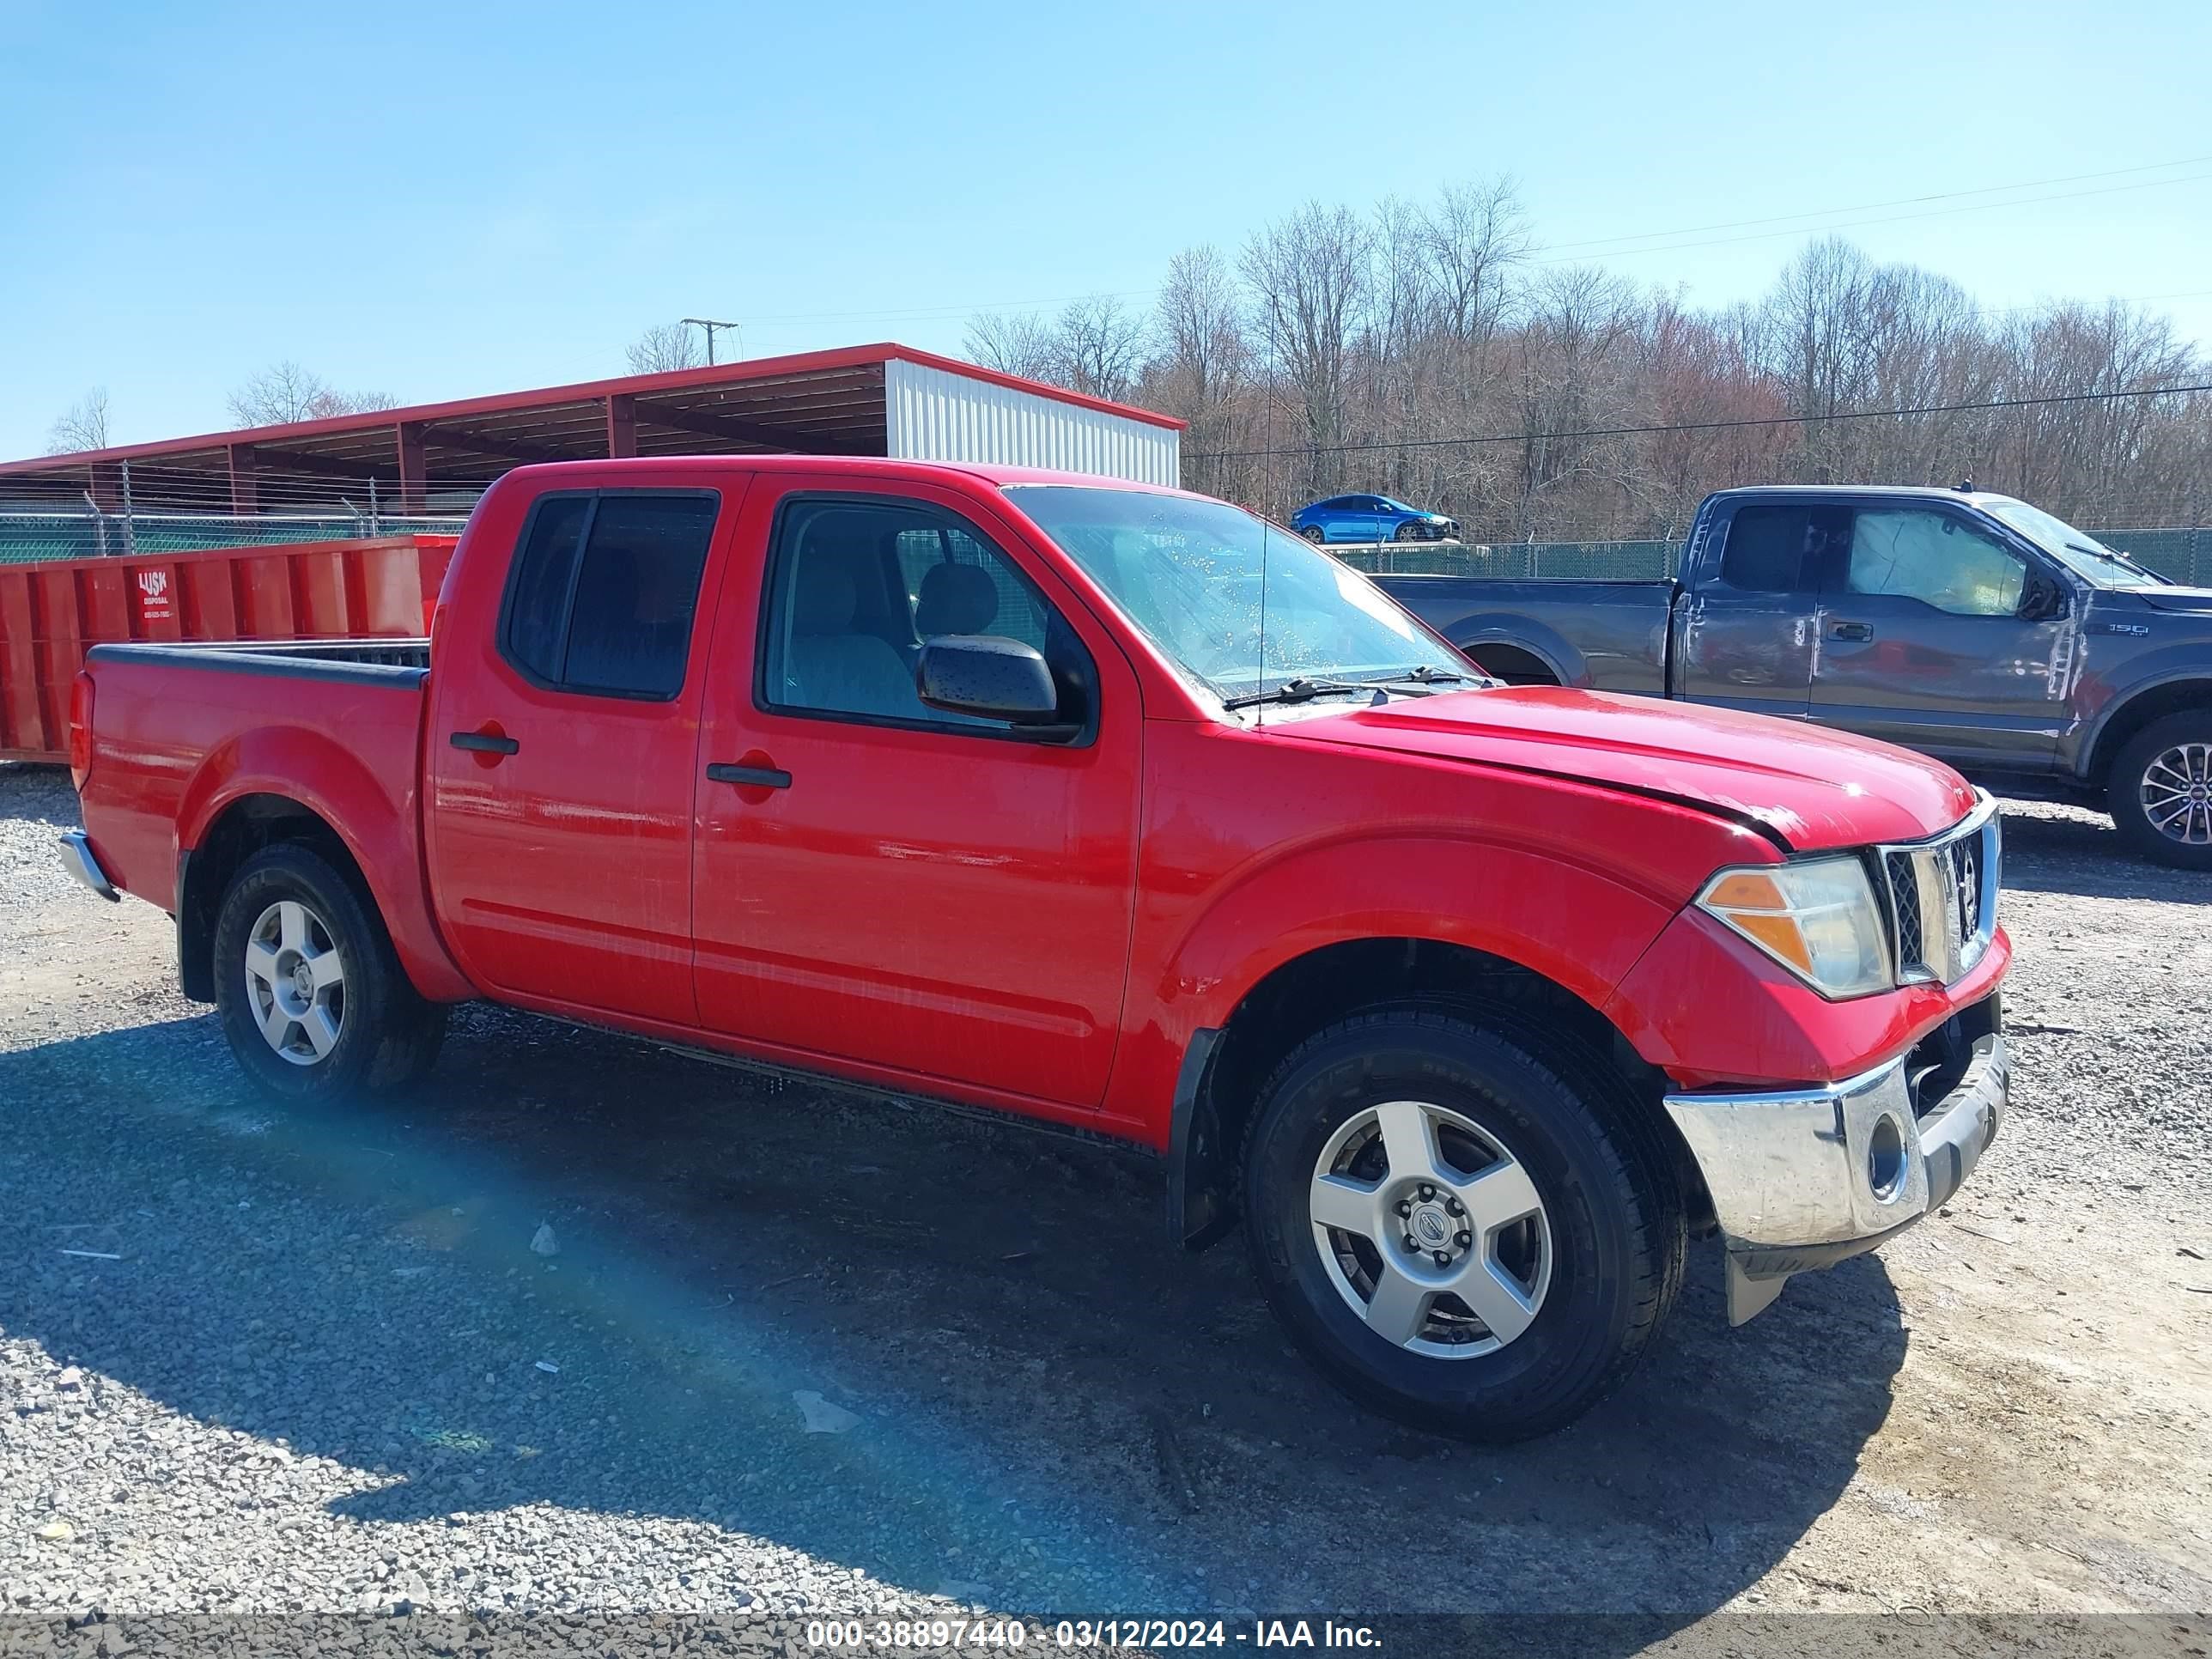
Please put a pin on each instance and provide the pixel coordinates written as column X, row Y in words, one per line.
column 1429, row 351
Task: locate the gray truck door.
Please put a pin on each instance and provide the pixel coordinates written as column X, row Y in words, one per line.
column 1921, row 642
column 1743, row 623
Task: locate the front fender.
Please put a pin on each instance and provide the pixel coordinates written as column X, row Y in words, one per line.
column 342, row 789
column 2104, row 696
column 1572, row 923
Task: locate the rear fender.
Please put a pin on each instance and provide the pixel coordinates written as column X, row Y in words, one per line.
column 298, row 764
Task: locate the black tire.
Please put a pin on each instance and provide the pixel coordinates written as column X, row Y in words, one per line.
column 1315, row 533
column 2190, row 731
column 387, row 1035
column 1613, row 1206
column 1407, row 532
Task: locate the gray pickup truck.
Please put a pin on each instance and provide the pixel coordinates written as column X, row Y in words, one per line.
column 1972, row 627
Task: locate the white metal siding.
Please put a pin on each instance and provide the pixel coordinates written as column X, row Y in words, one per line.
column 933, row 415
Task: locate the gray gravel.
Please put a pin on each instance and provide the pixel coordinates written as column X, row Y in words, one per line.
column 312, row 1363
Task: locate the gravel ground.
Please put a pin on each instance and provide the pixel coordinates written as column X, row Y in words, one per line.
column 800, row 1352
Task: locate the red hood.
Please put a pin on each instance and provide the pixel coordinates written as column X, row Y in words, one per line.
column 1814, row 788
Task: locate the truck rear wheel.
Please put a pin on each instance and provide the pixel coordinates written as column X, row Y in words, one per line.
column 1453, row 1232
column 2160, row 790
column 312, row 999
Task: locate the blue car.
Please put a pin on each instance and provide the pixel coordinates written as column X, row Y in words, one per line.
column 1370, row 519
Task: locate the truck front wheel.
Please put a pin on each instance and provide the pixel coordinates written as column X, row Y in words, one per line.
column 2160, row 790
column 1453, row 1232
column 312, row 999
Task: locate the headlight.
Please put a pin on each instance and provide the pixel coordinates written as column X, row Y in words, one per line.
column 1817, row 918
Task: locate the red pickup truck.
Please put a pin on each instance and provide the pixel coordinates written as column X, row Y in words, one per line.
column 1116, row 807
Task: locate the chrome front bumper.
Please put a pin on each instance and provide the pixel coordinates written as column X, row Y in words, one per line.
column 77, row 856
column 1803, row 1179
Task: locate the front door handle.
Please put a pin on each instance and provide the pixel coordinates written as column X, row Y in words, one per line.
column 1847, row 630
column 484, row 743
column 759, row 777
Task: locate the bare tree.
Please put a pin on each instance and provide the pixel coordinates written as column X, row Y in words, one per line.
column 1099, row 344
column 1477, row 235
column 82, row 425
column 1204, row 363
column 285, row 392
column 1013, row 342
column 663, row 347
column 1311, row 283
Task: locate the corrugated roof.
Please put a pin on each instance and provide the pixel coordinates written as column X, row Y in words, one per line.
column 818, row 402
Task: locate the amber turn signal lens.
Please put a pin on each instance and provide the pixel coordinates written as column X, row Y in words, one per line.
column 1816, row 917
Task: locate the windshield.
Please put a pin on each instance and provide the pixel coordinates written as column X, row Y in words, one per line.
column 1189, row 574
column 2081, row 552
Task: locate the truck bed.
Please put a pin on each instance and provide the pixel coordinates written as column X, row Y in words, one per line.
column 178, row 730
column 1610, row 635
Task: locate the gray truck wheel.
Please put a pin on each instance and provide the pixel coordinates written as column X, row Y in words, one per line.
column 1455, row 1232
column 2160, row 790
column 311, row 1000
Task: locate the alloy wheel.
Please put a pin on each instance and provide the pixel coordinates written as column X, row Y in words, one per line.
column 2176, row 792
column 295, row 982
column 1431, row 1230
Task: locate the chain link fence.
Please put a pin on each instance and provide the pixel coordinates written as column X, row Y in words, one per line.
column 34, row 538
column 2178, row 554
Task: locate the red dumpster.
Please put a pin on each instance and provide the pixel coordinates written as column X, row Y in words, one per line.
column 382, row 587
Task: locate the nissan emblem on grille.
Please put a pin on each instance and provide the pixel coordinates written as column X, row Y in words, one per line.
column 1968, row 897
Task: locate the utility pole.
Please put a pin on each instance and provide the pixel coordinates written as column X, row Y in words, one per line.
column 709, row 324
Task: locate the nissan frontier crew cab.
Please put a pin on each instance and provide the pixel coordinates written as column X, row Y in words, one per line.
column 1114, row 807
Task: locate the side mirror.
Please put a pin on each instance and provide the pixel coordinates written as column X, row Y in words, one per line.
column 982, row 674
column 2044, row 601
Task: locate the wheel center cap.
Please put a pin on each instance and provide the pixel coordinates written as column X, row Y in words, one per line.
column 1432, row 1228
column 303, row 983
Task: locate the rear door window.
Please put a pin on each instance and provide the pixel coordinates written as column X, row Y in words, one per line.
column 605, row 588
column 1777, row 548
column 544, row 576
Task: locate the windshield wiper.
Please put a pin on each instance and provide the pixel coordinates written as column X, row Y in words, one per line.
column 1426, row 674
column 1305, row 690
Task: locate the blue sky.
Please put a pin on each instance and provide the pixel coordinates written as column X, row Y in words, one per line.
column 437, row 201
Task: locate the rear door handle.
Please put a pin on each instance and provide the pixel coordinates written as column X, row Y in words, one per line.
column 760, row 777
column 484, row 743
column 1847, row 630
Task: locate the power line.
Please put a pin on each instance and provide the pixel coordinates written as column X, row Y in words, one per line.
column 1869, row 207
column 1699, row 426
column 1890, row 219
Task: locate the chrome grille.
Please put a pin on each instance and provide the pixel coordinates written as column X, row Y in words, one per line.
column 1943, row 898
column 1905, row 904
